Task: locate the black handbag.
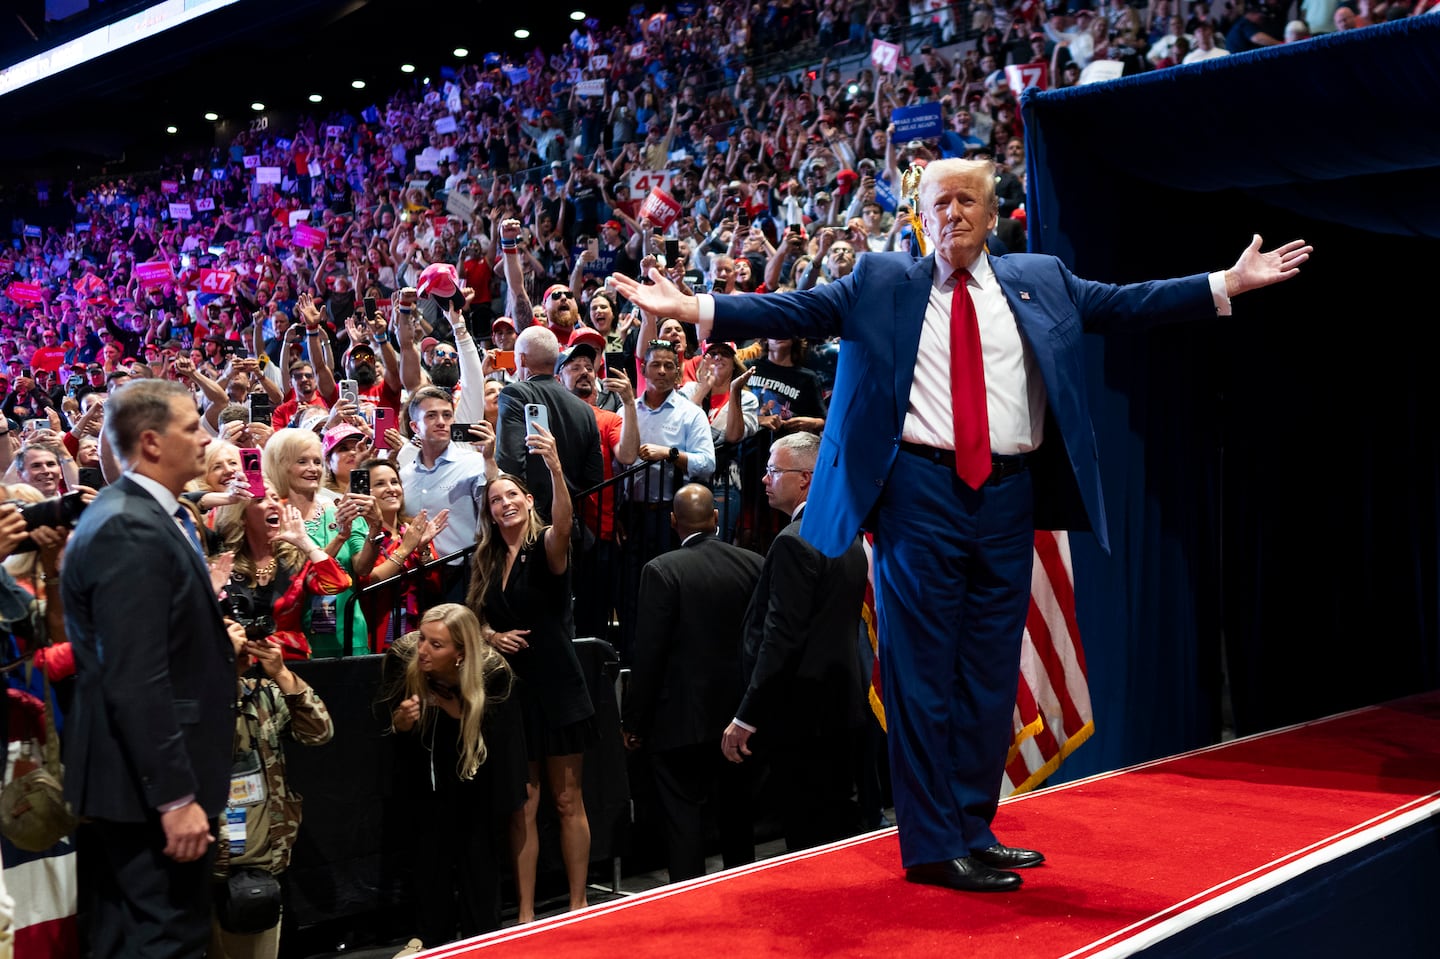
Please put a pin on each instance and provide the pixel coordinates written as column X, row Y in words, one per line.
column 248, row 901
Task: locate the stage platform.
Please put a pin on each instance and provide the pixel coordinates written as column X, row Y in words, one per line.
column 1315, row 840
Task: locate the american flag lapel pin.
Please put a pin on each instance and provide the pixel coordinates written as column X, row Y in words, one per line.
column 1024, row 295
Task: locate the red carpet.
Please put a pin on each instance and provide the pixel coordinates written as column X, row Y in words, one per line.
column 1134, row 856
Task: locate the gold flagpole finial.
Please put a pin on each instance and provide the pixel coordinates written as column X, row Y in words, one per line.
column 910, row 188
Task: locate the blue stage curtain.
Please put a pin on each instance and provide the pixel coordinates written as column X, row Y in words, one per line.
column 1272, row 479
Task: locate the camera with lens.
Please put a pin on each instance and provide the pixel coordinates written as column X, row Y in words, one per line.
column 59, row 511
column 254, row 617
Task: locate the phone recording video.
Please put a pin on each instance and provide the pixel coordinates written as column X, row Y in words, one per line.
column 260, row 408
column 385, row 419
column 536, row 415
column 254, row 475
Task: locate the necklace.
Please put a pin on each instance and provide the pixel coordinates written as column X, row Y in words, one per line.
column 263, row 571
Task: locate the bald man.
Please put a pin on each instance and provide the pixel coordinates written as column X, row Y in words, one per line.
column 686, row 680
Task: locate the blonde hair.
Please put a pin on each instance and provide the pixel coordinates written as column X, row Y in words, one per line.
column 478, row 662
column 281, row 452
column 230, row 527
column 984, row 170
column 26, row 564
column 213, row 451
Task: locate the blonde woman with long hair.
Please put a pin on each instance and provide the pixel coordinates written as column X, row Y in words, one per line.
column 461, row 769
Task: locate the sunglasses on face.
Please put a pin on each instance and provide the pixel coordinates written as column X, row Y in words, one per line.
column 562, row 294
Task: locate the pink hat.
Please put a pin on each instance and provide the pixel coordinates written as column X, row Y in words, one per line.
column 336, row 435
column 438, row 279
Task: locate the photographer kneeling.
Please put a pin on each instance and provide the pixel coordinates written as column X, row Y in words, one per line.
column 263, row 815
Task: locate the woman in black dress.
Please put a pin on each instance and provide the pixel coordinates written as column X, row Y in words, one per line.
column 461, row 772
column 521, row 586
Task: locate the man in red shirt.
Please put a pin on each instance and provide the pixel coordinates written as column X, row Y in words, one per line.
column 306, row 393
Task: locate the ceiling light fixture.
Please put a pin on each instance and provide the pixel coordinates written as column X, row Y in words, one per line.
column 315, row 98
column 257, row 106
column 212, row 117
column 407, row 68
column 358, row 84
column 522, row 34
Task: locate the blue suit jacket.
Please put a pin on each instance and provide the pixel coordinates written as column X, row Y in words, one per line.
column 879, row 310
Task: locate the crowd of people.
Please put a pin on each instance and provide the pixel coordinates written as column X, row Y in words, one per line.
column 427, row 406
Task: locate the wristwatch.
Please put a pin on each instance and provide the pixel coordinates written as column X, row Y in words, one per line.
column 674, row 454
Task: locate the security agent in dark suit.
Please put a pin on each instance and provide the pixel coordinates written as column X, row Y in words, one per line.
column 577, row 438
column 803, row 701
column 148, row 749
column 686, row 680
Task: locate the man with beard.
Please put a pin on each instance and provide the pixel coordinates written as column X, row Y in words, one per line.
column 445, row 366
column 620, row 441
column 360, row 366
column 562, row 312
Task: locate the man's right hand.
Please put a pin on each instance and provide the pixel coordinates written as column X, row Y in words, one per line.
column 662, row 298
column 13, row 528
column 187, row 832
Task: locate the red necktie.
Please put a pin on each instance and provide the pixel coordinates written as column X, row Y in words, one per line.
column 967, row 388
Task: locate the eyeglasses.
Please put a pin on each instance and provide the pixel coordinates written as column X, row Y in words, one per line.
column 444, row 354
column 771, row 472
column 562, row 294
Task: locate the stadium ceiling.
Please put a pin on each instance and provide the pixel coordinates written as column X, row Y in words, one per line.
column 116, row 110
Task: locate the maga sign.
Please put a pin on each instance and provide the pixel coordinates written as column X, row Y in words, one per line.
column 154, row 273
column 920, row 122
column 302, row 234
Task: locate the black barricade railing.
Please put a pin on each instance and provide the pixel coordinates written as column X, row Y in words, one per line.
column 619, row 526
column 396, row 584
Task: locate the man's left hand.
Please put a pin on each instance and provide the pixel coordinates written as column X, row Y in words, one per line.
column 735, row 743
column 1255, row 269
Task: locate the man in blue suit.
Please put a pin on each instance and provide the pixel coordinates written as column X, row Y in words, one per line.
column 959, row 424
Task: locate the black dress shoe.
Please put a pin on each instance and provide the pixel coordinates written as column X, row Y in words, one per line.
column 1006, row 857
column 966, row 875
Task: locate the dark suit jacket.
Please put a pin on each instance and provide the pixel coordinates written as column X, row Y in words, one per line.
column 686, row 676
column 577, row 438
column 154, row 711
column 878, row 310
column 801, row 632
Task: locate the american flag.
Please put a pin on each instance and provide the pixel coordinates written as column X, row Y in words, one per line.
column 1052, row 706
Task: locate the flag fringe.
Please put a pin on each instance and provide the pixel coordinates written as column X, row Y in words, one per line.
column 1053, row 763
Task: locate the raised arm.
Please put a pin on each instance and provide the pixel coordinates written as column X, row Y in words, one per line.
column 517, row 305
column 557, row 536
